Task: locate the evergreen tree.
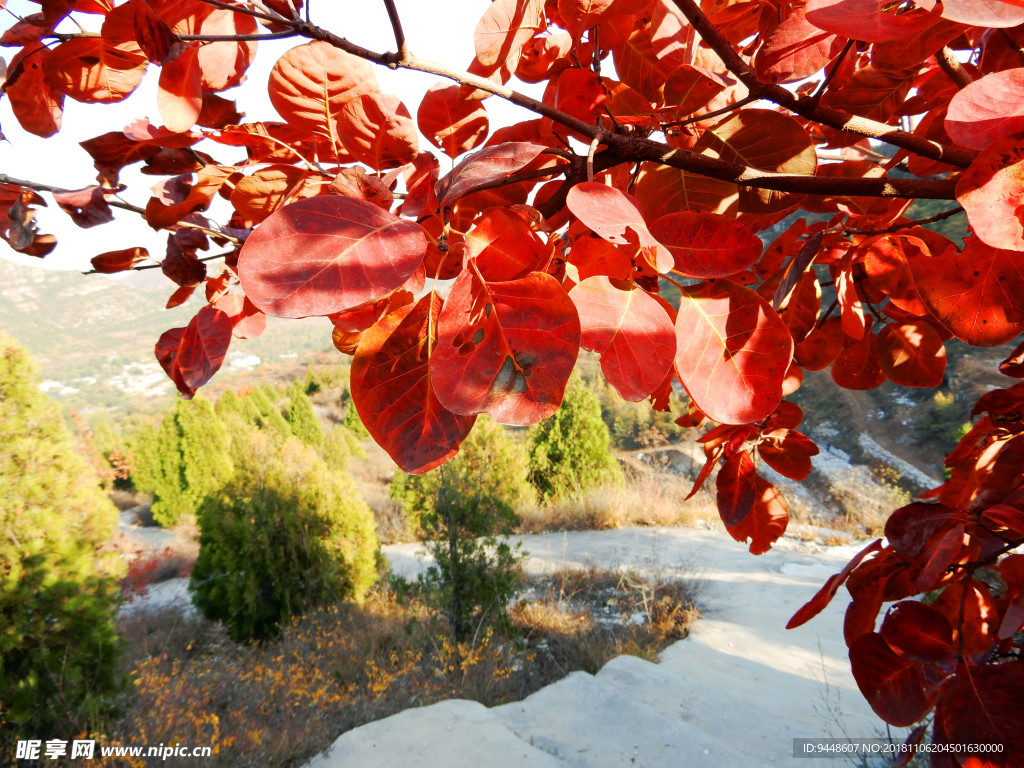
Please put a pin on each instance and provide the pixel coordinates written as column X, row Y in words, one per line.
column 571, row 451
column 58, row 591
column 301, row 418
column 353, row 423
column 229, row 402
column 461, row 509
column 190, row 459
column 285, row 536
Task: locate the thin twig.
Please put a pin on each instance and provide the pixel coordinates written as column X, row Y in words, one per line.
column 396, row 25
column 833, row 118
column 907, row 224
column 950, row 64
column 830, row 74
column 159, row 264
column 713, row 114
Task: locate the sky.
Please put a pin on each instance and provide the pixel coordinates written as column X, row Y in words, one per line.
column 444, row 35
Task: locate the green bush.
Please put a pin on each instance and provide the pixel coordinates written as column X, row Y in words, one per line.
column 571, row 451
column 488, row 463
column 352, row 421
column 301, row 418
column 58, row 591
column 340, row 447
column 187, row 458
column 286, row 536
column 461, row 508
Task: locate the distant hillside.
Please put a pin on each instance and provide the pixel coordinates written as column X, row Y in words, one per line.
column 82, row 328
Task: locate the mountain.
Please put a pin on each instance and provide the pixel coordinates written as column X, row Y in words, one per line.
column 93, row 336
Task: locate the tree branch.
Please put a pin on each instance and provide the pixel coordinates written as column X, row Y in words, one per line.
column 950, row 64
column 833, row 118
column 396, row 25
column 912, row 223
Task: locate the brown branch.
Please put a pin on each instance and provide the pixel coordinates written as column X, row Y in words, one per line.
column 709, row 115
column 950, row 64
column 396, row 25
column 833, row 118
column 628, row 147
column 831, row 74
column 115, row 203
column 912, row 223
column 159, row 264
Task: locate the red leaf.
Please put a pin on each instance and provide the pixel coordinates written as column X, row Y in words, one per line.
column 35, row 103
column 154, row 35
column 505, row 28
column 393, row 390
column 310, row 83
column 990, row 192
column 86, row 207
column 192, row 355
column 450, row 122
column 118, row 261
column 984, row 13
column 504, row 245
column 821, row 346
column 894, row 687
column 857, row 366
column 733, row 352
column 180, row 296
column 984, row 706
column 912, row 354
column 1014, row 364
column 824, row 596
column 94, row 70
column 918, row 632
column 706, row 244
column 864, row 19
column 988, row 109
column 749, row 505
column 631, row 332
column 505, row 348
column 180, row 98
column 911, row 527
column 943, row 550
column 795, row 49
column 615, row 216
column 485, row 165
column 975, row 293
column 326, row 254
column 247, row 322
column 788, row 452
column 378, row 130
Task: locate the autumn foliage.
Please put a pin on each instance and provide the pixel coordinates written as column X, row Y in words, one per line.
column 668, row 135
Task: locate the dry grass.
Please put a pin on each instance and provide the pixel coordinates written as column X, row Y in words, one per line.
column 642, row 501
column 332, row 671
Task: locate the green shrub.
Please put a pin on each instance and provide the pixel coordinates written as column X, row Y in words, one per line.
column 189, row 457
column 340, row 447
column 571, row 450
column 352, row 421
column 286, row 536
column 58, row 591
column 229, row 402
column 488, row 463
column 301, row 418
column 461, row 508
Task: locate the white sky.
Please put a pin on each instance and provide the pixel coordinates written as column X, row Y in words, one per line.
column 446, row 37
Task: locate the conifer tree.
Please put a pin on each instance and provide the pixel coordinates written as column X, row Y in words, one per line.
column 58, row 591
column 301, row 418
column 572, row 450
column 353, row 423
column 190, row 459
column 229, row 402
column 285, row 536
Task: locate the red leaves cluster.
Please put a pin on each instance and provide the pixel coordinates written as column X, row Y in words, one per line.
column 553, row 246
